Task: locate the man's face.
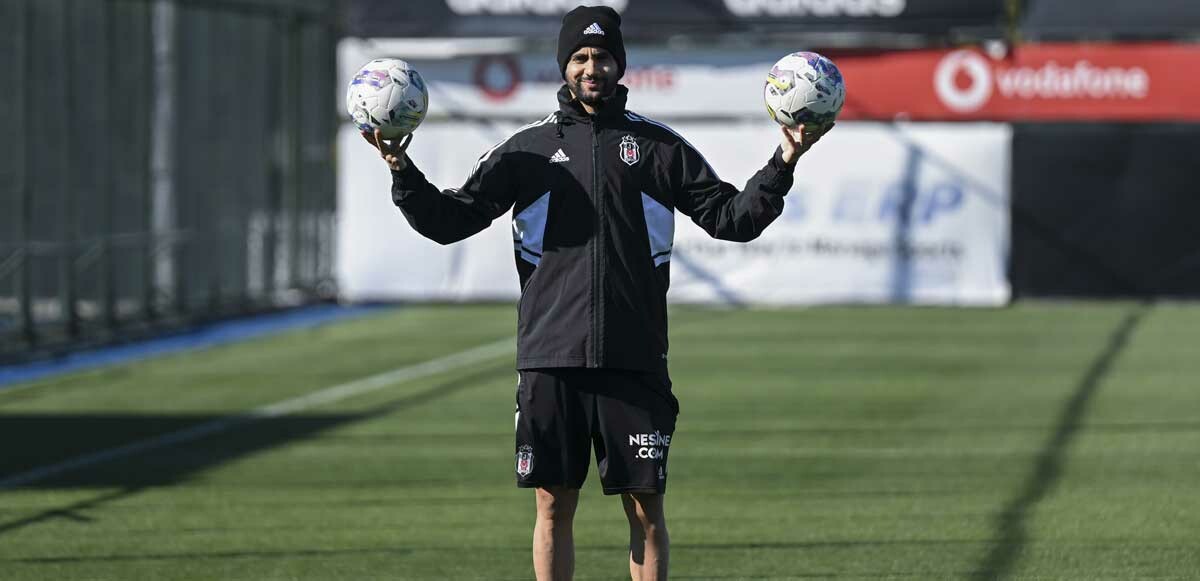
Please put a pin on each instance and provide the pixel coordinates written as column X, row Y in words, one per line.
column 591, row 75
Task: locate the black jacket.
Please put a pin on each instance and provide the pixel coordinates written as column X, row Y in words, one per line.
column 593, row 201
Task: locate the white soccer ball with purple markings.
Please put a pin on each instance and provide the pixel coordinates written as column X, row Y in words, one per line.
column 389, row 95
column 804, row 88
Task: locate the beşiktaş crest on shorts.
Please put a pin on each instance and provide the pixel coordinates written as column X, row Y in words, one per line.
column 524, row 460
column 630, row 154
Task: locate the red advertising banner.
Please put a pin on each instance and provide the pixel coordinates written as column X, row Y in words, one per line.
column 1067, row 81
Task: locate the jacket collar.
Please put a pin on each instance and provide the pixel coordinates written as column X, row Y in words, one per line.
column 571, row 108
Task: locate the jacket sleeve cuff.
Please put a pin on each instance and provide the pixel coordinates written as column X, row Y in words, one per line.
column 778, row 164
column 779, row 173
column 406, row 182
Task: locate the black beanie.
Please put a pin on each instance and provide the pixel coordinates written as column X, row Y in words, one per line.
column 598, row 26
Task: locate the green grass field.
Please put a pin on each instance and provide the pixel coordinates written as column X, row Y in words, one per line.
column 1042, row 441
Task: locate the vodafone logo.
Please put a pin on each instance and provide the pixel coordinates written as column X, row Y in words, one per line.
column 978, row 74
column 965, row 81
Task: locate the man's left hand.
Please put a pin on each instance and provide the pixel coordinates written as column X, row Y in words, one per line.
column 796, row 142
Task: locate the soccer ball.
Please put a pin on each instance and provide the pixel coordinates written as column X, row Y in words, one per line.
column 389, row 95
column 804, row 88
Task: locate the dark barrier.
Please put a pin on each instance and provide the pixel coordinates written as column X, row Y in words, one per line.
column 1106, row 210
column 658, row 20
column 163, row 161
column 1107, row 20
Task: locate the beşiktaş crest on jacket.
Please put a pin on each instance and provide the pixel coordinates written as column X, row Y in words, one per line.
column 593, row 200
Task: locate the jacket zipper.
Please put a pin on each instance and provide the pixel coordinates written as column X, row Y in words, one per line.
column 597, row 241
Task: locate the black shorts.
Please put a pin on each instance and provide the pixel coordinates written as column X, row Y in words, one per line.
column 627, row 417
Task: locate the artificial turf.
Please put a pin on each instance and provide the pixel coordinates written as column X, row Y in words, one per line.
column 1039, row 441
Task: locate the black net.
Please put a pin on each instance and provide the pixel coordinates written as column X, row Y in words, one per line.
column 165, row 161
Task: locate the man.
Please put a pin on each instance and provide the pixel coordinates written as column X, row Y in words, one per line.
column 593, row 188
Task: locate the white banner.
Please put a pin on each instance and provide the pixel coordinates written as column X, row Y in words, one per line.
column 379, row 255
column 910, row 213
column 879, row 213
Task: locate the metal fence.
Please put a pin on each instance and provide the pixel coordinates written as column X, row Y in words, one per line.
column 162, row 161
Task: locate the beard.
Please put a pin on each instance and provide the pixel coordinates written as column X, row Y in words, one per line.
column 593, row 97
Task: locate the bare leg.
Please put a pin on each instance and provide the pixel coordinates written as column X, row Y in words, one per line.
column 553, row 540
column 637, row 539
column 649, row 544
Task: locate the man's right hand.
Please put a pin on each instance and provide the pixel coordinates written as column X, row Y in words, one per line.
column 796, row 142
column 391, row 151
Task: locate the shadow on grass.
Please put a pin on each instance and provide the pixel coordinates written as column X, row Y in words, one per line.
column 131, row 452
column 49, row 440
column 849, row 544
column 300, row 553
column 1011, row 535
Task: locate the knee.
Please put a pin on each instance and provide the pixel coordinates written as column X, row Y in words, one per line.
column 650, row 525
column 557, row 504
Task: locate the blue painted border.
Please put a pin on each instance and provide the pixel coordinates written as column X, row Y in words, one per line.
column 205, row 336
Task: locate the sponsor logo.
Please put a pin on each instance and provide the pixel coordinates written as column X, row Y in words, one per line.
column 518, row 7
column 650, row 446
column 978, row 75
column 524, row 460
column 630, row 154
column 818, row 8
column 921, row 204
column 497, row 76
column 966, row 81
column 559, row 157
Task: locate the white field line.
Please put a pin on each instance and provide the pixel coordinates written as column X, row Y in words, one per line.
column 317, row 398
